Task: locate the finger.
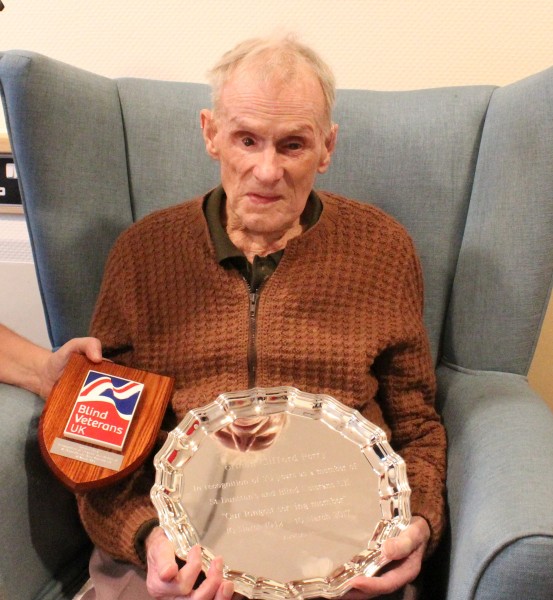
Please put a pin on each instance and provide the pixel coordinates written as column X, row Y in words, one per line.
column 93, row 349
column 381, row 585
column 406, row 572
column 403, row 572
column 225, row 591
column 188, row 574
column 161, row 556
column 164, row 579
column 370, row 587
column 398, row 548
column 414, row 536
column 210, row 586
column 89, row 346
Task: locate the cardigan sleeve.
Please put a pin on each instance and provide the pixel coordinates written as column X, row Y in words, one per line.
column 113, row 516
column 407, row 394
column 115, row 317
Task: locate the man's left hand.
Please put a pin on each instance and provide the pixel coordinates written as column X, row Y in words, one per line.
column 406, row 551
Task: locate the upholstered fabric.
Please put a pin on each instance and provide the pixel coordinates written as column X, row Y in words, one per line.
column 74, row 168
column 39, row 526
column 499, row 480
column 528, row 559
column 507, row 253
column 413, row 154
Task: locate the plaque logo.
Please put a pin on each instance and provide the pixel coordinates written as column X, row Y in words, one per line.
column 104, row 410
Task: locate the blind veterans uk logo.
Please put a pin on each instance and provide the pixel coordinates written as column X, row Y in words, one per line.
column 104, row 410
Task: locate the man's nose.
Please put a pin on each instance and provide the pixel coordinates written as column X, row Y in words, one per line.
column 268, row 168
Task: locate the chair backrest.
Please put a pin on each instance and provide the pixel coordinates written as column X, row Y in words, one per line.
column 467, row 170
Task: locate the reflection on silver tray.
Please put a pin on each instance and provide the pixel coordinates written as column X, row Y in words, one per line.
column 296, row 491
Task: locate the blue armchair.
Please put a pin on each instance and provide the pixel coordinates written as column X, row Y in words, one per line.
column 468, row 170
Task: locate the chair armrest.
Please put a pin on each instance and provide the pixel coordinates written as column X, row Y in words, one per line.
column 500, row 485
column 42, row 544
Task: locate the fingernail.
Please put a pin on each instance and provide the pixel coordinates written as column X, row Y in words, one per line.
column 217, row 563
column 406, row 546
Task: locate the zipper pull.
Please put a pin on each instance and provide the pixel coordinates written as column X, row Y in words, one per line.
column 253, row 303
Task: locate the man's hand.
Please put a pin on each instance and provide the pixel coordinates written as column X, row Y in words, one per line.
column 406, row 551
column 166, row 581
column 55, row 362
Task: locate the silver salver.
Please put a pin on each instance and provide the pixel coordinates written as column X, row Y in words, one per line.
column 296, row 491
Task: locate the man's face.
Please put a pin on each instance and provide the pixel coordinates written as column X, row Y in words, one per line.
column 269, row 139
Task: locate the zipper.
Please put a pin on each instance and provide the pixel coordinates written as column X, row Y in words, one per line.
column 253, row 306
column 253, row 303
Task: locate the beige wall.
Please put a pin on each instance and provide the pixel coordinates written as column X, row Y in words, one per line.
column 376, row 44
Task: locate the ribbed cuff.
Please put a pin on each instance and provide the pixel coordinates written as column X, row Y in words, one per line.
column 140, row 538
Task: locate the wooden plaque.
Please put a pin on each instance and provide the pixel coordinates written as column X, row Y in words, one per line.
column 101, row 421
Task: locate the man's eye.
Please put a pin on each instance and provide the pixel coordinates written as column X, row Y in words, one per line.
column 247, row 141
column 293, row 146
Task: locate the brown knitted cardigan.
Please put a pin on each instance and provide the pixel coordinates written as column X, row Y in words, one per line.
column 341, row 315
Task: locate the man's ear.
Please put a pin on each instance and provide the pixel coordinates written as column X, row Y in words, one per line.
column 209, row 129
column 329, row 145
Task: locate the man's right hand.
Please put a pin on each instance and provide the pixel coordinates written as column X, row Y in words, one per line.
column 166, row 581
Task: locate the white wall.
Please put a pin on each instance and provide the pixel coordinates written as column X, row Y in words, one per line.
column 375, row 44
column 20, row 304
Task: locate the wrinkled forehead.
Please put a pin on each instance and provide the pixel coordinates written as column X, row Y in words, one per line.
column 278, row 92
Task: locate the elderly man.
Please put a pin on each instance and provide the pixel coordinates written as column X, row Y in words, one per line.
column 264, row 281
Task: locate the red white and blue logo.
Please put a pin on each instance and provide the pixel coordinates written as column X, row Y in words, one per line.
column 104, row 410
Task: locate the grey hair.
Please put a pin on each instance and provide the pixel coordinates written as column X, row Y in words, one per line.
column 280, row 55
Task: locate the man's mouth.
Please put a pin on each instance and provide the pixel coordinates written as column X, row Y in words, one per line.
column 262, row 198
